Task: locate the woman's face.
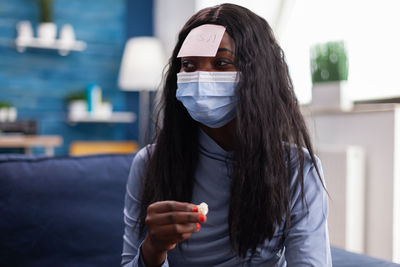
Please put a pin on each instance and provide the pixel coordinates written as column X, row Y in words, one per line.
column 223, row 60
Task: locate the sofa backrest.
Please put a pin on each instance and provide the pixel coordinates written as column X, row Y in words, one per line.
column 62, row 211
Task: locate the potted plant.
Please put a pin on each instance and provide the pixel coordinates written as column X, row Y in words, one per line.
column 329, row 72
column 8, row 113
column 47, row 30
column 77, row 105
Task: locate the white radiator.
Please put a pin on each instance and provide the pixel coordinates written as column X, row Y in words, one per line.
column 344, row 172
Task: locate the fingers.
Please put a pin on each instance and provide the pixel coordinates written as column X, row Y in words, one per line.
column 179, row 217
column 171, row 222
column 182, row 213
column 168, row 206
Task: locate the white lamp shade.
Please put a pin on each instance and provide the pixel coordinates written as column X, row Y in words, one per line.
column 142, row 64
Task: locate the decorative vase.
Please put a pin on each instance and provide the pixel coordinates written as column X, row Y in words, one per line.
column 104, row 111
column 67, row 34
column 25, row 31
column 47, row 32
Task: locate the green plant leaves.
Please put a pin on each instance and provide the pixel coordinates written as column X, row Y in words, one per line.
column 328, row 62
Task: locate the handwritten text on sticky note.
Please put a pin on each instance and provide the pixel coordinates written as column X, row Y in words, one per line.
column 202, row 41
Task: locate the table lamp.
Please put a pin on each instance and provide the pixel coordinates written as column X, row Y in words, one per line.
column 141, row 70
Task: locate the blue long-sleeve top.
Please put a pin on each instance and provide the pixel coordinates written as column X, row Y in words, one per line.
column 305, row 243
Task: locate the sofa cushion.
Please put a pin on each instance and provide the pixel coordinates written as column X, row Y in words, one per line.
column 343, row 258
column 62, row 211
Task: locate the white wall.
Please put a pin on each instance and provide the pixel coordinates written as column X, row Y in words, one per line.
column 368, row 29
column 268, row 9
column 171, row 15
column 169, row 18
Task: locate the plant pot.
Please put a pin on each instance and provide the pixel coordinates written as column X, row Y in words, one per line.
column 3, row 114
column 47, row 32
column 331, row 96
column 8, row 114
column 77, row 109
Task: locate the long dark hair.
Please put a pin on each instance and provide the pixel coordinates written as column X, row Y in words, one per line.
column 269, row 126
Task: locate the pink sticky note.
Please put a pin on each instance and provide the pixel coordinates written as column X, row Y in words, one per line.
column 202, row 41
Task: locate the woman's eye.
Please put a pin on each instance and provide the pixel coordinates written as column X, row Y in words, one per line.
column 187, row 65
column 222, row 62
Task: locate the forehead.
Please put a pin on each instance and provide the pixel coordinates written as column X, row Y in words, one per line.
column 227, row 42
column 204, row 41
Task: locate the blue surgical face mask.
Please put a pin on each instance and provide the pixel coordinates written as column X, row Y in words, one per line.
column 209, row 97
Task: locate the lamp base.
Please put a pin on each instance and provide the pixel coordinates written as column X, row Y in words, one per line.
column 144, row 117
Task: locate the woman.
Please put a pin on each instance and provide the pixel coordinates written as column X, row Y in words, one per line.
column 232, row 136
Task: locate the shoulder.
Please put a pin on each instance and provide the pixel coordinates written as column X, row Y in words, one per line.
column 138, row 168
column 310, row 164
column 142, row 156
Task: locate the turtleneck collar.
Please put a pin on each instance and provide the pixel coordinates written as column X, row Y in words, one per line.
column 211, row 149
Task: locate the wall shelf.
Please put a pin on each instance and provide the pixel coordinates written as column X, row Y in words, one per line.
column 116, row 117
column 62, row 47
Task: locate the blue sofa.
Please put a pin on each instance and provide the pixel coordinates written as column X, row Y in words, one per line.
column 67, row 211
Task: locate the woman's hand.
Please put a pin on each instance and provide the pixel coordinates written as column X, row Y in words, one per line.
column 168, row 223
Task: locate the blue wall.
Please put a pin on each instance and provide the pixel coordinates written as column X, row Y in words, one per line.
column 139, row 18
column 139, row 22
column 38, row 81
